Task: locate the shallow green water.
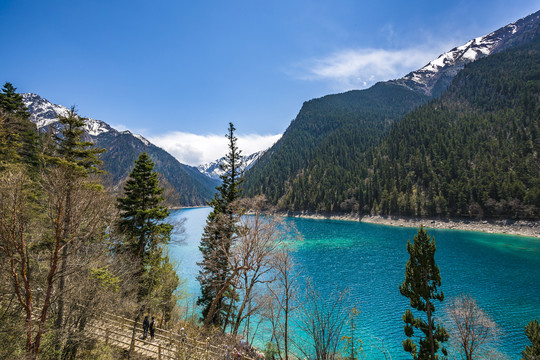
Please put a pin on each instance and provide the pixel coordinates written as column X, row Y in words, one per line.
column 501, row 272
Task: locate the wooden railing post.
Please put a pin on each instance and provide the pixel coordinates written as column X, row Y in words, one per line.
column 159, row 352
column 107, row 336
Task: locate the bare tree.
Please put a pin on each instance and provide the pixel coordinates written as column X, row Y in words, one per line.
column 14, row 244
column 97, row 283
column 470, row 327
column 378, row 344
column 353, row 344
column 257, row 251
column 322, row 320
column 284, row 301
column 252, row 256
column 32, row 239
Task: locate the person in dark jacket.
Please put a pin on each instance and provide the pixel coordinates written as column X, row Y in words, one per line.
column 145, row 326
column 152, row 329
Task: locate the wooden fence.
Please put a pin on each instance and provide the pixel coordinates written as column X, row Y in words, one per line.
column 166, row 345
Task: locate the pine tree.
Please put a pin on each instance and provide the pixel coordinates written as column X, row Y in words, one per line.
column 18, row 135
column 141, row 215
column 144, row 235
column 12, row 102
column 9, row 141
column 422, row 278
column 532, row 352
column 80, row 157
column 219, row 234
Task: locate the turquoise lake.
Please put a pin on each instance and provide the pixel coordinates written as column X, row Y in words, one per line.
column 501, row 272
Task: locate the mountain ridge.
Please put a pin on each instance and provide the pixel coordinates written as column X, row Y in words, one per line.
column 188, row 187
column 433, row 78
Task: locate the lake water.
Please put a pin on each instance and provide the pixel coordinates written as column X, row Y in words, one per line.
column 501, row 272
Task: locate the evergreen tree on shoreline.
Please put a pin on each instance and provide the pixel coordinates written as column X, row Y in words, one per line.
column 532, row 352
column 422, row 278
column 218, row 237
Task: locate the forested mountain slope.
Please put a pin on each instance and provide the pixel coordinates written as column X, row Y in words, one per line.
column 339, row 127
column 473, row 152
column 330, row 159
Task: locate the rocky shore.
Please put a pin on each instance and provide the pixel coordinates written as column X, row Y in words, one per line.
column 520, row 227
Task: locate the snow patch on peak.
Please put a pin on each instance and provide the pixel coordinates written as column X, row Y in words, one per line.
column 437, row 74
column 140, row 137
column 43, row 113
column 95, row 127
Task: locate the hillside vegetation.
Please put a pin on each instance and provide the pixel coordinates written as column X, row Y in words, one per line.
column 315, row 160
column 472, row 152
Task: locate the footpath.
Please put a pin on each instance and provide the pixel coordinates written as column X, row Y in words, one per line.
column 166, row 345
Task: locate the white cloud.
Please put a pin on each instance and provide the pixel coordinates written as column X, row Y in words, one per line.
column 359, row 68
column 193, row 149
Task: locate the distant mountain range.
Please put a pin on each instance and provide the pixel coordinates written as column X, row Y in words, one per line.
column 213, row 170
column 185, row 185
column 341, row 152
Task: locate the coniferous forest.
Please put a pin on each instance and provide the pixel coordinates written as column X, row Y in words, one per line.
column 473, row 152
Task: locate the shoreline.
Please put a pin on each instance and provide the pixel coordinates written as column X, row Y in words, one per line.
column 186, row 207
column 507, row 227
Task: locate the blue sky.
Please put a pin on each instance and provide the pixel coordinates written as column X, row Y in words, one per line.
column 178, row 72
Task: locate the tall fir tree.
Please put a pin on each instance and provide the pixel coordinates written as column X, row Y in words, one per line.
column 219, row 235
column 9, row 141
column 143, row 235
column 80, row 157
column 18, row 135
column 76, row 159
column 532, row 352
column 12, row 102
column 141, row 217
column 422, row 279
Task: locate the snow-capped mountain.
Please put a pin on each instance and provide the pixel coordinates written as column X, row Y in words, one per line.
column 435, row 77
column 189, row 186
column 213, row 171
column 44, row 113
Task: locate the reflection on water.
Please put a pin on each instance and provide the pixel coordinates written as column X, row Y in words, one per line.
column 501, row 272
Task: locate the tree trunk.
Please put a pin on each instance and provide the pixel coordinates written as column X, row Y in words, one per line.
column 134, row 332
column 61, row 286
column 53, row 267
column 229, row 315
column 72, row 344
column 63, row 269
column 219, row 295
column 241, row 309
column 430, row 329
column 286, row 326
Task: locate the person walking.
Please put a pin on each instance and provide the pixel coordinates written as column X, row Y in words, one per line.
column 152, row 329
column 145, row 325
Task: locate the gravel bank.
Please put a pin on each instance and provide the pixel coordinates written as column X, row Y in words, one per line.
column 520, row 227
